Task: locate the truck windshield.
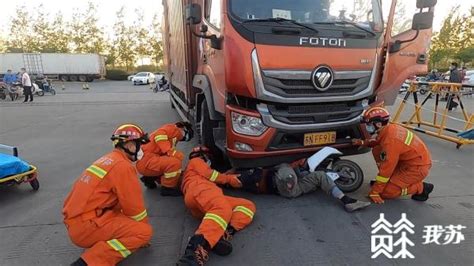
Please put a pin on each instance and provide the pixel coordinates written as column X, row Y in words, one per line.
column 363, row 13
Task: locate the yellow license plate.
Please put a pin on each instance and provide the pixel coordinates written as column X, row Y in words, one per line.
column 319, row 138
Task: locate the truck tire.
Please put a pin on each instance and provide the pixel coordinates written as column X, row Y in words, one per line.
column 73, row 78
column 82, row 78
column 90, row 79
column 64, row 78
column 206, row 126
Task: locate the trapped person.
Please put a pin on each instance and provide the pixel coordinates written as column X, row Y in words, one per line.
column 105, row 211
column 402, row 158
column 161, row 161
column 26, row 83
column 222, row 216
column 292, row 181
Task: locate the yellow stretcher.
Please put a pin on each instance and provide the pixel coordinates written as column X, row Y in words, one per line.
column 29, row 176
column 438, row 89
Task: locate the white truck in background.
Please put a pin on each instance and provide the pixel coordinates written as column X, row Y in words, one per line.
column 59, row 66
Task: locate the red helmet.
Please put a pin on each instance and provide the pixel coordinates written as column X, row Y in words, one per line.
column 129, row 132
column 200, row 151
column 376, row 114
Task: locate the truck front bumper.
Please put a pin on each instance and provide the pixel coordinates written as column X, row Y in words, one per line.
column 285, row 142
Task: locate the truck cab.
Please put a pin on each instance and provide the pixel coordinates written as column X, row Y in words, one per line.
column 273, row 81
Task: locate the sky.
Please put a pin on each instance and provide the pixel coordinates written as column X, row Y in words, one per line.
column 107, row 9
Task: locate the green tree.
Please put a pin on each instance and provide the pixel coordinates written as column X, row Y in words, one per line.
column 86, row 35
column 143, row 46
column 155, row 41
column 124, row 41
column 59, row 38
column 442, row 48
column 19, row 36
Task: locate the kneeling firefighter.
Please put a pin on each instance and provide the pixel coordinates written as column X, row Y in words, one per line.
column 162, row 162
column 222, row 216
column 105, row 212
column 403, row 160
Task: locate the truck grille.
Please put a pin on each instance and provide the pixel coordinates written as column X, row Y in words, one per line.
column 316, row 113
column 298, row 83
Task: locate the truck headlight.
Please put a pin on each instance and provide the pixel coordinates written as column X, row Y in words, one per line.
column 247, row 125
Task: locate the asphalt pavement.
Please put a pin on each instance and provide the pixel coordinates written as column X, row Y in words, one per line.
column 64, row 134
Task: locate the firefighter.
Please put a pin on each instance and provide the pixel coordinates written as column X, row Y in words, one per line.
column 222, row 216
column 105, row 212
column 161, row 162
column 403, row 160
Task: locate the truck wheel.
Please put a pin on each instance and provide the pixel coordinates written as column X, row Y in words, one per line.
column 64, row 78
column 82, row 78
column 73, row 78
column 206, row 126
column 90, row 79
column 351, row 175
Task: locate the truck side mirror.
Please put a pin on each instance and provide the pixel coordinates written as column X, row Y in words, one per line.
column 425, row 3
column 422, row 21
column 193, row 14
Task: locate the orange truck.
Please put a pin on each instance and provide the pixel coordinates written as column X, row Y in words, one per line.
column 270, row 81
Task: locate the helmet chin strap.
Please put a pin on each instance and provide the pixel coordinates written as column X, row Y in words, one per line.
column 134, row 154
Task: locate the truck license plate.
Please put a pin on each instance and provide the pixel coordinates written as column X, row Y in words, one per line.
column 319, row 138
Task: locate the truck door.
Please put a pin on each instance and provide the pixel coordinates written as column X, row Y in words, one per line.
column 406, row 46
column 213, row 59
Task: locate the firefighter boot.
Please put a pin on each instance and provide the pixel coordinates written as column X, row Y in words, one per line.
column 423, row 196
column 196, row 253
column 170, row 192
column 223, row 247
column 149, row 182
column 79, row 262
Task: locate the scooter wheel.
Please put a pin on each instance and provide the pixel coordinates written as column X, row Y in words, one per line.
column 35, row 184
column 53, row 91
column 3, row 96
column 351, row 175
column 40, row 93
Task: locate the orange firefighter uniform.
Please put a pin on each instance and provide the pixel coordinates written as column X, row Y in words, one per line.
column 105, row 212
column 160, row 157
column 206, row 201
column 403, row 161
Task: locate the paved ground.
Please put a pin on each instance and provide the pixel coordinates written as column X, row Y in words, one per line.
column 63, row 134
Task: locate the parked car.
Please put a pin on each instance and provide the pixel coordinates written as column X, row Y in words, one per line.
column 143, row 78
column 129, row 78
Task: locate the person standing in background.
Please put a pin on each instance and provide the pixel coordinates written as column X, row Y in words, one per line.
column 26, row 83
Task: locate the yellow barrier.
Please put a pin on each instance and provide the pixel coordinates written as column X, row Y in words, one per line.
column 438, row 89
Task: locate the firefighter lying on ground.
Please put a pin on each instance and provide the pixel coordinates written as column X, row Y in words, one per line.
column 105, row 212
column 292, row 181
column 161, row 161
column 222, row 216
column 403, row 160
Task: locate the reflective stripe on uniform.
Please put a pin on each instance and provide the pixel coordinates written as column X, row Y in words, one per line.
column 140, row 216
column 374, row 195
column 174, row 142
column 161, row 138
column 96, row 170
column 172, row 174
column 382, row 179
column 217, row 219
column 174, row 152
column 245, row 211
column 119, row 247
column 214, row 176
column 404, row 191
column 409, row 137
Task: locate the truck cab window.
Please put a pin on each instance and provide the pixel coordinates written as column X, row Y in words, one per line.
column 404, row 11
column 213, row 12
